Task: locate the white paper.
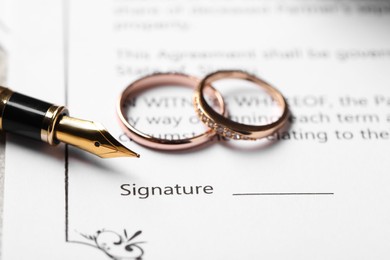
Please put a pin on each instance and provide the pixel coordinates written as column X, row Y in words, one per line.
column 319, row 193
column 3, row 39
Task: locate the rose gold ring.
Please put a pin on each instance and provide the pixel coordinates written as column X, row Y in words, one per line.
column 159, row 80
column 228, row 128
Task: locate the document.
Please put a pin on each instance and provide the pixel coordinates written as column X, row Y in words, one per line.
column 3, row 40
column 315, row 190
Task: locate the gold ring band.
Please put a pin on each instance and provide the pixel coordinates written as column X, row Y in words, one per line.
column 157, row 80
column 231, row 129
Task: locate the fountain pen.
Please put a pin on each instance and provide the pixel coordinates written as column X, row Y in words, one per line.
column 36, row 119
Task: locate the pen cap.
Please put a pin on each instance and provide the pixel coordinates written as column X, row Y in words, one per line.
column 27, row 116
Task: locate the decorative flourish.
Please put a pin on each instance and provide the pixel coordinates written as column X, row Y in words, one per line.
column 117, row 246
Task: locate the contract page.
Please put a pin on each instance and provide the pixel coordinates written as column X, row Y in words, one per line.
column 315, row 190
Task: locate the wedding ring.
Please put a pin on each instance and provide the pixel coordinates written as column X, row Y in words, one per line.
column 160, row 80
column 225, row 126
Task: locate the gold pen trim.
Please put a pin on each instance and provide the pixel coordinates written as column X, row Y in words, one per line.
column 5, row 95
column 52, row 116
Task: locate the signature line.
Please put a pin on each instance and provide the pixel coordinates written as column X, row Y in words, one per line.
column 281, row 193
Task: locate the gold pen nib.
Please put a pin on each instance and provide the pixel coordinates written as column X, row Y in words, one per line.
column 91, row 137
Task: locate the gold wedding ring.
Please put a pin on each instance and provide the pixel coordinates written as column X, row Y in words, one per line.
column 159, row 80
column 225, row 126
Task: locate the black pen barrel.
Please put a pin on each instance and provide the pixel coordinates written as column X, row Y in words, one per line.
column 29, row 117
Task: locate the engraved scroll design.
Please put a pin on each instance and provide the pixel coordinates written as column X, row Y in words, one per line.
column 117, row 246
